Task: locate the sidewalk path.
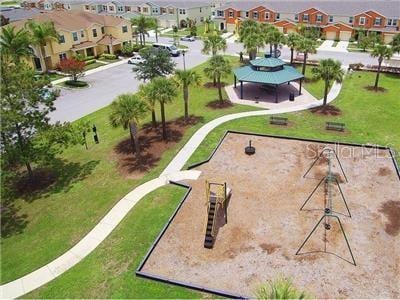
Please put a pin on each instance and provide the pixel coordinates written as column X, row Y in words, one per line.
column 84, row 247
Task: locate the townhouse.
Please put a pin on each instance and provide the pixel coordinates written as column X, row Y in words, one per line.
column 336, row 20
column 80, row 33
column 49, row 5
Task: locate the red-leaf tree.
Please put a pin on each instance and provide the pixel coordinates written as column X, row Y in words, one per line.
column 74, row 68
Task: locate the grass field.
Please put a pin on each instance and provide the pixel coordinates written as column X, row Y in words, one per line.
column 314, row 87
column 108, row 271
column 89, row 184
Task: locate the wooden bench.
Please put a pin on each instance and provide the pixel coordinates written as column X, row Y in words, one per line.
column 278, row 120
column 335, row 126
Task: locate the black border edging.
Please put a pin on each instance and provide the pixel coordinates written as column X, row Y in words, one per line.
column 392, row 153
column 142, row 274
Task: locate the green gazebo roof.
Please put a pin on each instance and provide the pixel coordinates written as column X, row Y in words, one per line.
column 283, row 75
column 269, row 62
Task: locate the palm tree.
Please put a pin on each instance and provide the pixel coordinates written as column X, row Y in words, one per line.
column 213, row 43
column 396, row 43
column 155, row 27
column 306, row 46
column 142, row 24
column 128, row 111
column 41, row 34
column 280, row 288
column 186, row 79
column 14, row 44
column 277, row 39
column 218, row 66
column 381, row 52
column 328, row 70
column 251, row 36
column 146, row 94
column 266, row 29
column 164, row 91
column 291, row 41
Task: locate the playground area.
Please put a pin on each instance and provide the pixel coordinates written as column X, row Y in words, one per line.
column 260, row 233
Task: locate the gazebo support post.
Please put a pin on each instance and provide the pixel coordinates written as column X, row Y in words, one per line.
column 234, row 80
column 241, row 89
column 276, row 93
column 301, row 81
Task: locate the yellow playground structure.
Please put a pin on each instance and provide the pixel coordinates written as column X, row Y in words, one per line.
column 217, row 195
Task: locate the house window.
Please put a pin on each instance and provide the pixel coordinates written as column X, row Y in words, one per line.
column 87, row 7
column 267, row 15
column 62, row 56
column 277, row 16
column 102, row 30
column 330, row 19
column 296, row 17
column 220, row 13
column 124, row 29
column 231, row 14
column 200, row 9
column 378, row 21
column 319, row 18
column 111, row 8
column 82, row 34
column 155, row 10
column 75, row 36
column 247, row 14
column 305, row 17
column 94, row 31
column 201, row 19
column 61, row 39
column 139, row 9
column 392, row 22
column 182, row 11
column 105, row 7
column 362, row 21
column 127, row 8
column 351, row 20
column 93, row 7
column 255, row 15
column 120, row 8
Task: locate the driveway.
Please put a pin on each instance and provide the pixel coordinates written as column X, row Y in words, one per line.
column 106, row 85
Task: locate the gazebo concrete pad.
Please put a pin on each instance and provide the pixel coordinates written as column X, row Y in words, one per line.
column 254, row 92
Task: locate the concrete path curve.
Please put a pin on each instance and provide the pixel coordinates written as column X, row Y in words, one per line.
column 84, row 247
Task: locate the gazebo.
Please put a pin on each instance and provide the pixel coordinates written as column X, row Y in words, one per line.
column 270, row 72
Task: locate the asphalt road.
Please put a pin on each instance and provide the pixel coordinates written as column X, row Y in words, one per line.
column 106, row 85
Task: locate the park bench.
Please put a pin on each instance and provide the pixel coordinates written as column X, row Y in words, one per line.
column 278, row 120
column 335, row 126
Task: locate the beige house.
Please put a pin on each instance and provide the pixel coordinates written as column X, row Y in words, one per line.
column 81, row 33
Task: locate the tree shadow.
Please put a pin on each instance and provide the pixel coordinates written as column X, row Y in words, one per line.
column 12, row 223
column 327, row 110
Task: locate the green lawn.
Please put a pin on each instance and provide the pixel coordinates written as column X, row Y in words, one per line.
column 314, row 87
column 93, row 66
column 89, row 186
column 108, row 271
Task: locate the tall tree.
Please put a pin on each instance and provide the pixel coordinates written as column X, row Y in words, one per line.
column 142, row 24
column 146, row 94
column 41, row 34
column 155, row 27
column 277, row 39
column 127, row 110
column 14, row 44
column 185, row 79
column 266, row 30
column 329, row 71
column 251, row 36
column 217, row 67
column 27, row 135
column 165, row 91
column 306, row 46
column 291, row 41
column 213, row 43
column 73, row 67
column 157, row 62
column 381, row 52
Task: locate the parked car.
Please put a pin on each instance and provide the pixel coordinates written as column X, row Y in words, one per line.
column 135, row 59
column 173, row 51
column 188, row 38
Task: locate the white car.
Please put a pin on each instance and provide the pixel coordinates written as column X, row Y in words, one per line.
column 135, row 59
column 188, row 38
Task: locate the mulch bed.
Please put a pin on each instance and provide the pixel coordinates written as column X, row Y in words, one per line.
column 216, row 104
column 210, row 85
column 327, row 110
column 152, row 147
column 377, row 90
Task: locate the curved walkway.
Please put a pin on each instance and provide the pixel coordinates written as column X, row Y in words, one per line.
column 84, row 247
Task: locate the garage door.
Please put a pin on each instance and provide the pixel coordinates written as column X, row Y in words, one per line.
column 289, row 30
column 345, row 35
column 331, row 35
column 280, row 29
column 388, row 38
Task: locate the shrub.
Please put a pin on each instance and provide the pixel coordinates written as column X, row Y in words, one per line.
column 74, row 68
column 89, row 62
column 281, row 288
column 77, row 83
column 108, row 56
column 337, row 40
column 352, row 40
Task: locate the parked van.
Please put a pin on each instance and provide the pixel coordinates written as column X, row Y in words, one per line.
column 170, row 48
